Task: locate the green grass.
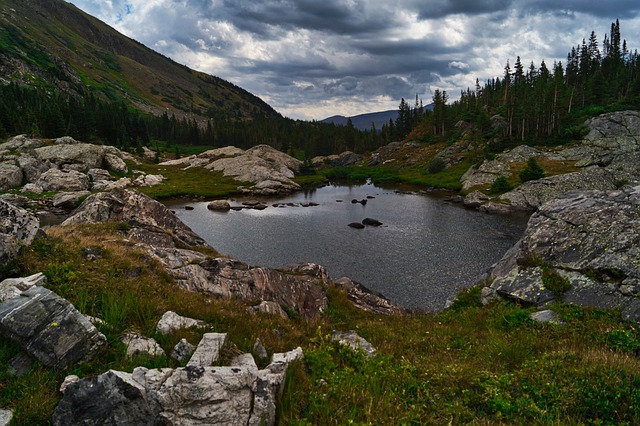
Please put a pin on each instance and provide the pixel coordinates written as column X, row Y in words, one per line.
column 448, row 178
column 468, row 365
column 193, row 182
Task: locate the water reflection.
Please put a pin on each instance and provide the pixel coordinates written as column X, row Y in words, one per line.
column 426, row 250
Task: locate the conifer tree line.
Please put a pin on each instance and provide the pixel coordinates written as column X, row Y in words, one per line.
column 545, row 104
column 87, row 118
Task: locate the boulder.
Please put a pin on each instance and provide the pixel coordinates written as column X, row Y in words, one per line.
column 208, row 350
column 356, row 225
column 270, row 308
column 475, row 199
column 80, row 156
column 18, row 228
column 371, row 222
column 219, row 205
column 21, row 143
column 69, row 200
column 259, row 350
column 269, row 170
column 366, row 299
column 12, row 287
column 115, row 163
column 590, row 239
column 112, row 398
column 352, row 340
column 5, row 417
column 171, row 322
column 10, row 175
column 182, row 350
column 140, row 345
column 55, row 180
column 127, row 205
column 49, row 328
column 148, row 180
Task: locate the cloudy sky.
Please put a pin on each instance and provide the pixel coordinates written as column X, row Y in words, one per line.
column 311, row 59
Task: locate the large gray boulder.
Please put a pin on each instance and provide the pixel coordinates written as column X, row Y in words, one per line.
column 82, row 156
column 55, row 180
column 127, row 205
column 591, row 239
column 18, row 228
column 49, row 328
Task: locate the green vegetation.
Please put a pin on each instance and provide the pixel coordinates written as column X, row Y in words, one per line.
column 532, row 171
column 193, row 182
column 500, row 185
column 470, row 364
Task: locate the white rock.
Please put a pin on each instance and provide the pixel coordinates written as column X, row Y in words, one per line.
column 140, row 345
column 67, row 381
column 12, row 287
column 208, row 349
column 171, row 322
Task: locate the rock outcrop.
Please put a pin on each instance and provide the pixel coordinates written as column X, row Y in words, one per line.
column 61, row 166
column 352, row 340
column 299, row 288
column 47, row 327
column 589, row 241
column 606, row 159
column 270, row 171
column 239, row 394
column 18, row 228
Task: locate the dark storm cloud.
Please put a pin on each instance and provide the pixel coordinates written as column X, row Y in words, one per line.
column 332, row 16
column 441, row 8
column 612, row 9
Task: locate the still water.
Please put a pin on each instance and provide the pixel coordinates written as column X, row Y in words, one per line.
column 426, row 250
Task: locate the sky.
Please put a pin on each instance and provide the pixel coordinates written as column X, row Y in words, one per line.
column 311, row 59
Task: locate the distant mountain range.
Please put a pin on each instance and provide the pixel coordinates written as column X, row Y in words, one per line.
column 365, row 121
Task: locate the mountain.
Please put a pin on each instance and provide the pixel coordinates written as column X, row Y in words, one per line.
column 53, row 44
column 364, row 121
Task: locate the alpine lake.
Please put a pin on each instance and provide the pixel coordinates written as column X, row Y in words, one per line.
column 426, row 250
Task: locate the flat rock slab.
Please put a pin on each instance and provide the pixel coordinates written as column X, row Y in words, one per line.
column 208, row 349
column 49, row 328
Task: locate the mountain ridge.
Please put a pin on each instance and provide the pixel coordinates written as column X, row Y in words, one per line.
column 366, row 120
column 53, row 44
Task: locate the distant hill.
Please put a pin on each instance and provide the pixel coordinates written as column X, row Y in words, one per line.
column 364, row 121
column 53, row 44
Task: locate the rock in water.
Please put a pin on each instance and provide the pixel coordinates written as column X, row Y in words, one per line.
column 371, row 222
column 219, row 205
column 49, row 328
column 18, row 228
column 356, row 225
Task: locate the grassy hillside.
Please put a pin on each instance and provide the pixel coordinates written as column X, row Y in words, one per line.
column 51, row 43
column 468, row 365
